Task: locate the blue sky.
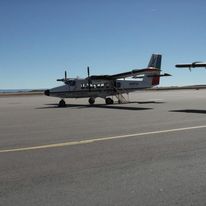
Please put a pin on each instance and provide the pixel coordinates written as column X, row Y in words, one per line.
column 40, row 39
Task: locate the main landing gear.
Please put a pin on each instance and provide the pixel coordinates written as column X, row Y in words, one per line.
column 91, row 100
column 109, row 101
column 62, row 103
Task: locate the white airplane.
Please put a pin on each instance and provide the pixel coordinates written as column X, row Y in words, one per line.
column 107, row 86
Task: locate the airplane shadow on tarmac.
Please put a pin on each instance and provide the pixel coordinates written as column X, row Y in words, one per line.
column 76, row 106
column 197, row 111
column 113, row 106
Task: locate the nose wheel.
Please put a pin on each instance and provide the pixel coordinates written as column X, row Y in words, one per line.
column 62, row 103
column 91, row 100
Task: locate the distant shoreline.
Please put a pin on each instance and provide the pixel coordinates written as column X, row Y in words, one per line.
column 20, row 90
column 180, row 87
column 22, row 93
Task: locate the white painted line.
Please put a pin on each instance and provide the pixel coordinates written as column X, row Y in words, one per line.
column 155, row 100
column 89, row 141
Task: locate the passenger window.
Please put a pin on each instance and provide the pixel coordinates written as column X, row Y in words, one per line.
column 118, row 84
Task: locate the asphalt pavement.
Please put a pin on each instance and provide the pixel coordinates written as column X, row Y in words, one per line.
column 151, row 151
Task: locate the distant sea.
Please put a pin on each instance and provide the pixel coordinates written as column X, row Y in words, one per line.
column 14, row 90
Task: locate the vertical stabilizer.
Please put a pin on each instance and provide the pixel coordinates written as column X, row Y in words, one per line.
column 155, row 62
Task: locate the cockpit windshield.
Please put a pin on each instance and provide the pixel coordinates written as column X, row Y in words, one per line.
column 71, row 83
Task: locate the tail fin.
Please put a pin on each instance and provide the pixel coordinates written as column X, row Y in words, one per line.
column 153, row 78
column 155, row 61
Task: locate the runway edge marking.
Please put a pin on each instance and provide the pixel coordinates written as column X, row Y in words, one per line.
column 89, row 141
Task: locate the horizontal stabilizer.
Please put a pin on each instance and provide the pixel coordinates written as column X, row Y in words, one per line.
column 160, row 75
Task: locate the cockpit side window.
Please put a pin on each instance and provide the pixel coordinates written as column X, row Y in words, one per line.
column 71, row 83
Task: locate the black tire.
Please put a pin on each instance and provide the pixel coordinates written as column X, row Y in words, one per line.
column 109, row 101
column 91, row 100
column 62, row 103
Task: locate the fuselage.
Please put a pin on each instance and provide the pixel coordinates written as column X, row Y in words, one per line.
column 80, row 88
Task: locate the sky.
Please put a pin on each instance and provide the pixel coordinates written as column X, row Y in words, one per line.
column 40, row 39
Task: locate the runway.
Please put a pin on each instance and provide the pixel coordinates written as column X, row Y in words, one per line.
column 149, row 152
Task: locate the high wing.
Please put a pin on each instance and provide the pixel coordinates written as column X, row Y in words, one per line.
column 133, row 73
column 192, row 65
column 152, row 70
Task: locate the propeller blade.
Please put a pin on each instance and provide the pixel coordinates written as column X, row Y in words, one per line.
column 89, row 81
column 65, row 75
column 60, row 80
column 88, row 71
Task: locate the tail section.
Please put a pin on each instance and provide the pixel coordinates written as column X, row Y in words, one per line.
column 155, row 62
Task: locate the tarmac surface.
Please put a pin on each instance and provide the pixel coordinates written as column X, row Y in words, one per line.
column 149, row 152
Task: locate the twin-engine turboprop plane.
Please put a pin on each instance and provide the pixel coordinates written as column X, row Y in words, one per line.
column 107, row 86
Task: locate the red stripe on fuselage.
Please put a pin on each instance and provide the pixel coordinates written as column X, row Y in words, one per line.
column 155, row 81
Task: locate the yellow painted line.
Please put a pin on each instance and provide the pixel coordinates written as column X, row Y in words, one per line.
column 89, row 141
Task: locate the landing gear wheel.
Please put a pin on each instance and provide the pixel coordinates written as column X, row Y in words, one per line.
column 109, row 101
column 62, row 103
column 91, row 100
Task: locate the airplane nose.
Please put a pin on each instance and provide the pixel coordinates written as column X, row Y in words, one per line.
column 47, row 92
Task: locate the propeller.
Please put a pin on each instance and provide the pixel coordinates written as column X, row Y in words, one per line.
column 89, row 81
column 63, row 79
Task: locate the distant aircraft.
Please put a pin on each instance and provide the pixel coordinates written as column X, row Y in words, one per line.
column 192, row 65
column 107, row 86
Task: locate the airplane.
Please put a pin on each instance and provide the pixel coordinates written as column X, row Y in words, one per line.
column 191, row 65
column 107, row 86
